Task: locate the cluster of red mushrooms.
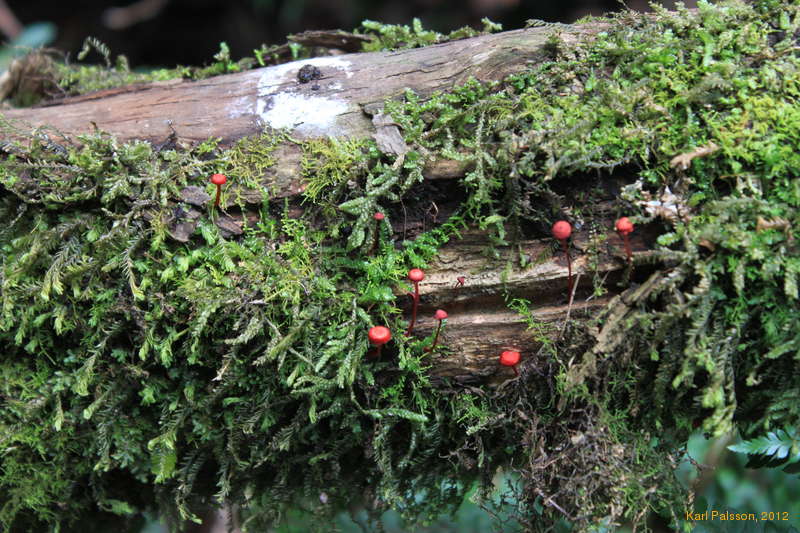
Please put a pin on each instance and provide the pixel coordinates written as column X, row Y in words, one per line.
column 380, row 335
column 562, row 230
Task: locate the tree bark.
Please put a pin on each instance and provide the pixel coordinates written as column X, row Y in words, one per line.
column 481, row 325
column 236, row 105
column 343, row 103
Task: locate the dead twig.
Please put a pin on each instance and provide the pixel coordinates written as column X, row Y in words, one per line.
column 9, row 24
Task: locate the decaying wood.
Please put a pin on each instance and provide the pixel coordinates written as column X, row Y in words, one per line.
column 241, row 104
column 480, row 324
column 332, row 39
column 346, row 102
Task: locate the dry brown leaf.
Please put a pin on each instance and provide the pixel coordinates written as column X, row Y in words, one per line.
column 387, row 135
column 774, row 223
column 705, row 243
column 763, row 224
column 682, row 161
column 668, row 206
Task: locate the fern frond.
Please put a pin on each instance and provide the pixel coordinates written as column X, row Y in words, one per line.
column 776, row 448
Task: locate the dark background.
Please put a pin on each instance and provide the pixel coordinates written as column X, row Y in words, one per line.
column 187, row 32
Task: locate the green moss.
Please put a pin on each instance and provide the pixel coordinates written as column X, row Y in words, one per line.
column 249, row 160
column 233, row 369
column 80, row 78
column 328, row 164
column 403, row 37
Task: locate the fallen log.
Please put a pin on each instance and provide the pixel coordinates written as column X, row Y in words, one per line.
column 227, row 348
column 351, row 87
column 343, row 102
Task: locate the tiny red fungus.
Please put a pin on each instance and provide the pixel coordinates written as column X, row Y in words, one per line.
column 378, row 336
column 460, row 280
column 219, row 180
column 561, row 231
column 440, row 315
column 378, row 219
column 625, row 227
column 415, row 275
column 510, row 358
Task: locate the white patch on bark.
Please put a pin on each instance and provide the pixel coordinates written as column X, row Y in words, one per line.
column 283, row 102
column 242, row 106
column 274, row 77
column 306, row 115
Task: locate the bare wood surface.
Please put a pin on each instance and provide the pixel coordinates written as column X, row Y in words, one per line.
column 480, row 324
column 241, row 104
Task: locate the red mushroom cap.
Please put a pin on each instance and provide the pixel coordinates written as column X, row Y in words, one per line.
column 416, row 274
column 219, row 179
column 562, row 230
column 624, row 225
column 441, row 314
column 378, row 216
column 509, row 358
column 379, row 335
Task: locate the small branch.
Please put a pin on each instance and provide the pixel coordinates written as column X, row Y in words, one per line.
column 119, row 18
column 10, row 26
column 549, row 501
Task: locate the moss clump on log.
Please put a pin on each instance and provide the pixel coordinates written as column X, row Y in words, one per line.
column 141, row 371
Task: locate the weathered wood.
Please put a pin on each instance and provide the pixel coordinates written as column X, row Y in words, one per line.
column 241, row 104
column 480, row 324
column 343, row 103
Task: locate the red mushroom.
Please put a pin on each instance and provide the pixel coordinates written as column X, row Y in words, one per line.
column 378, row 336
column 625, row 227
column 460, row 280
column 561, row 231
column 440, row 315
column 219, row 180
column 378, row 219
column 415, row 275
column 510, row 358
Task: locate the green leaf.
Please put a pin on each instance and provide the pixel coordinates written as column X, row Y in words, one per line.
column 773, row 449
column 163, row 464
column 353, row 206
column 400, row 413
column 377, row 294
column 117, row 507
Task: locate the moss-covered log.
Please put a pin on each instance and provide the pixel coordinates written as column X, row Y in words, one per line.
column 346, row 93
column 161, row 352
column 336, row 101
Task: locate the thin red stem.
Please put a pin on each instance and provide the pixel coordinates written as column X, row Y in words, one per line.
column 435, row 338
column 415, row 298
column 375, row 352
column 516, row 372
column 216, row 202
